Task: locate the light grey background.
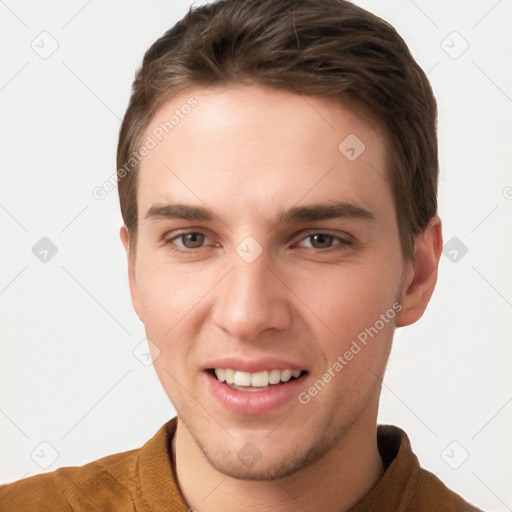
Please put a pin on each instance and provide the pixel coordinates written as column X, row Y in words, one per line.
column 73, row 374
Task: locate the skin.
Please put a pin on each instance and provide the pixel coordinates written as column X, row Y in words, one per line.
column 247, row 153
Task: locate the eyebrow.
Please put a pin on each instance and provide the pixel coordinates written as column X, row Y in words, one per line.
column 322, row 211
column 319, row 211
column 179, row 211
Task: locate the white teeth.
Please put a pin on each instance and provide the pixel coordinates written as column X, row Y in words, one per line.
column 242, row 378
column 230, row 376
column 259, row 380
column 255, row 380
column 274, row 376
column 286, row 375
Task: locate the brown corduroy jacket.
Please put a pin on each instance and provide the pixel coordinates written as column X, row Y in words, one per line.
column 143, row 480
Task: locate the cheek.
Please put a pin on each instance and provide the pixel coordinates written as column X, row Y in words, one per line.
column 349, row 299
column 357, row 305
column 172, row 301
column 358, row 308
column 169, row 297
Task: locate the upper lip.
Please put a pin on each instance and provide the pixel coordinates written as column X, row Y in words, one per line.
column 253, row 365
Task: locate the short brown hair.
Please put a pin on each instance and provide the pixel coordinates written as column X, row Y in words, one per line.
column 327, row 48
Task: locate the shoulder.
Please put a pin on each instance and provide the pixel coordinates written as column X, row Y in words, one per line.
column 432, row 494
column 106, row 482
column 141, row 479
column 405, row 486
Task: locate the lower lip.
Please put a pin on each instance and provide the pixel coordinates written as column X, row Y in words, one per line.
column 255, row 402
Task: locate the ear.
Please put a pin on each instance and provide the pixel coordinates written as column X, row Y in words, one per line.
column 130, row 255
column 421, row 274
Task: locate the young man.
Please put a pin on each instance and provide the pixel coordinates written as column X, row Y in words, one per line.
column 277, row 171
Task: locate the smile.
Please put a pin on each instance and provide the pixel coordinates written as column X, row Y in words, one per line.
column 259, row 381
column 247, row 388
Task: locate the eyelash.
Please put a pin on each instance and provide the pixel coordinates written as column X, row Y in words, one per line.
column 175, row 248
column 342, row 243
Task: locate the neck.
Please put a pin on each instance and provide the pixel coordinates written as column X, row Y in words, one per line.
column 337, row 481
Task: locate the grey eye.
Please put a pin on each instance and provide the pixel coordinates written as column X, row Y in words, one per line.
column 192, row 240
column 321, row 240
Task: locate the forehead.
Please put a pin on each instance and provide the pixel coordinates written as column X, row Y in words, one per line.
column 247, row 146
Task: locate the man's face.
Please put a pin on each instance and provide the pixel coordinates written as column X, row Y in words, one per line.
column 267, row 241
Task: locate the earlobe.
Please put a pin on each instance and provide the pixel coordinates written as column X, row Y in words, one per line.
column 422, row 276
column 132, row 280
column 125, row 238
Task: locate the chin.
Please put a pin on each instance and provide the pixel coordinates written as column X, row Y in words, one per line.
column 258, row 472
column 271, row 463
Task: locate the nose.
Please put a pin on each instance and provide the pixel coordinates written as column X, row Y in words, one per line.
column 251, row 300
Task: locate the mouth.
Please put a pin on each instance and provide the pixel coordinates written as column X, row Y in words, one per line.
column 258, row 392
column 255, row 382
